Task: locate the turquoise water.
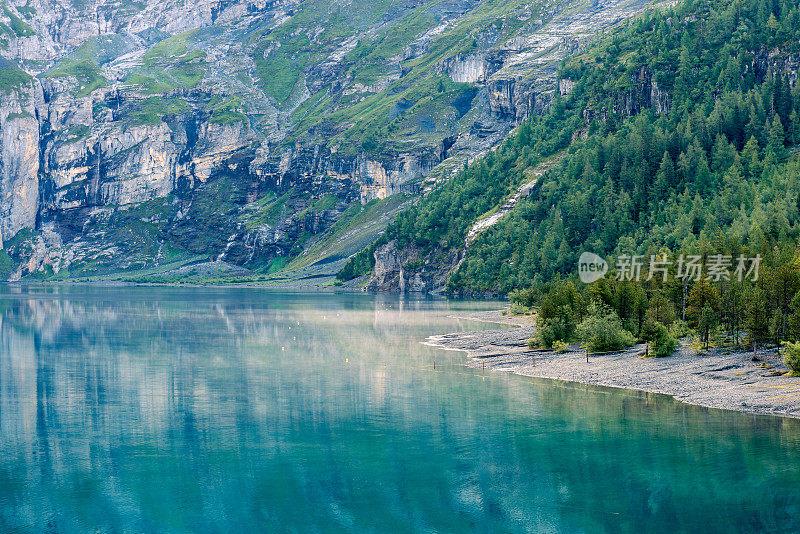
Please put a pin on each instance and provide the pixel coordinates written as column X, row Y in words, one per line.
column 211, row 410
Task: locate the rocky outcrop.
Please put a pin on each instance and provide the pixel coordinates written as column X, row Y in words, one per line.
column 44, row 30
column 344, row 174
column 405, row 270
column 511, row 99
column 137, row 165
column 153, row 129
column 19, row 159
column 644, row 94
column 472, row 68
column 98, row 163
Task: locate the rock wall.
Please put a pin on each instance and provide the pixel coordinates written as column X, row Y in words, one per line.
column 405, row 270
column 19, row 159
column 371, row 178
column 78, row 155
column 59, row 26
column 97, row 159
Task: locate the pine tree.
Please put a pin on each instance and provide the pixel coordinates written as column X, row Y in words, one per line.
column 794, row 128
column 776, row 137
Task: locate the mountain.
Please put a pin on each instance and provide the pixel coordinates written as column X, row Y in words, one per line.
column 254, row 139
column 677, row 132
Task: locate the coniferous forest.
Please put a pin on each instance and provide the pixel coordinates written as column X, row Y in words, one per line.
column 679, row 135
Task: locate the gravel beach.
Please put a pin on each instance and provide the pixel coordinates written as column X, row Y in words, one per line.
column 716, row 380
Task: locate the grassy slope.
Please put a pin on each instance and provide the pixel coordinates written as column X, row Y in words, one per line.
column 367, row 119
column 422, row 95
column 358, row 226
column 11, row 76
column 702, row 62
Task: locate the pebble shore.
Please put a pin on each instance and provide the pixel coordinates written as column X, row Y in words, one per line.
column 722, row 379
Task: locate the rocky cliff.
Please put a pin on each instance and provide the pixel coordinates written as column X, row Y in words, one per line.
column 147, row 137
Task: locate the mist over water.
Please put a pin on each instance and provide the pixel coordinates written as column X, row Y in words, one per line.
column 239, row 410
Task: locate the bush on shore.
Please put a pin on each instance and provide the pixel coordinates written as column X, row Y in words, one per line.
column 791, row 355
column 518, row 309
column 560, row 347
column 560, row 311
column 552, row 329
column 602, row 331
column 679, row 329
column 661, row 342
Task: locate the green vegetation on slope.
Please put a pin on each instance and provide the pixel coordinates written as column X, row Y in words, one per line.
column 280, row 68
column 422, row 91
column 357, row 225
column 85, row 61
column 707, row 164
column 171, row 63
column 718, row 167
column 11, row 76
column 18, row 26
column 283, row 54
column 718, row 164
column 102, row 49
column 154, row 109
column 393, row 97
column 227, row 111
column 87, row 73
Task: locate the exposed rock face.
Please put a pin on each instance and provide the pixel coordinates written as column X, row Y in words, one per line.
column 58, row 26
column 19, row 160
column 403, row 270
column 473, row 68
column 141, row 167
column 98, row 163
column 388, row 273
column 155, row 131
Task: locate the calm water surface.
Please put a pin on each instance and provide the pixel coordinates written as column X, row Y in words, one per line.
column 210, row 410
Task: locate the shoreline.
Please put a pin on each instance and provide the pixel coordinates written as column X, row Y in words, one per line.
column 727, row 381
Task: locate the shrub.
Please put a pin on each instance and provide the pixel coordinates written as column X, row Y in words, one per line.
column 526, row 297
column 553, row 329
column 791, row 355
column 560, row 347
column 518, row 309
column 679, row 329
column 602, row 331
column 664, row 346
column 719, row 337
column 661, row 342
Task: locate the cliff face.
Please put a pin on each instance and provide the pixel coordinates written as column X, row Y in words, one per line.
column 48, row 29
column 405, row 270
column 145, row 134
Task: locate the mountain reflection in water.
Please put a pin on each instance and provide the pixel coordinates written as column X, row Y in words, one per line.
column 195, row 409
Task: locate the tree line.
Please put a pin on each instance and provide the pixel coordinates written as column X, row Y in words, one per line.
column 680, row 135
column 722, row 312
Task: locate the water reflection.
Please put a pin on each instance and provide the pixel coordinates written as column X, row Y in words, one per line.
column 235, row 410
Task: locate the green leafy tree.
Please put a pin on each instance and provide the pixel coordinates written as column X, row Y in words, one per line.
column 660, row 341
column 602, row 331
